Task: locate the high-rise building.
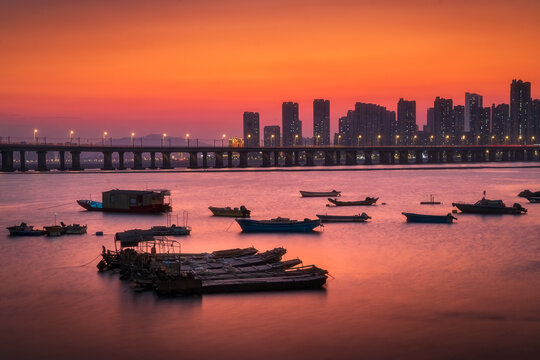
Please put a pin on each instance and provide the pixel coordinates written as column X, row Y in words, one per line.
column 321, row 122
column 406, row 121
column 346, row 133
column 291, row 125
column 443, row 121
column 500, row 123
column 459, row 121
column 520, row 108
column 430, row 125
column 484, row 126
column 535, row 113
column 272, row 137
column 473, row 104
column 251, row 129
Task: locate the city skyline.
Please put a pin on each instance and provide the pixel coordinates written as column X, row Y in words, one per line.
column 75, row 66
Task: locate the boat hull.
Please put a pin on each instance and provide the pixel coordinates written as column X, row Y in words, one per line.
column 482, row 209
column 434, row 219
column 27, row 233
column 237, row 213
column 534, row 199
column 147, row 209
column 269, row 226
column 341, row 218
column 320, row 193
column 353, row 203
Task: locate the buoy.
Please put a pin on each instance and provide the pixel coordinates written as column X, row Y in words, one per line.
column 99, row 233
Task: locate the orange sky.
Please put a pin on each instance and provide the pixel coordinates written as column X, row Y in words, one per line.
column 196, row 66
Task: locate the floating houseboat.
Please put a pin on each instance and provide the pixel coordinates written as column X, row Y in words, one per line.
column 132, row 201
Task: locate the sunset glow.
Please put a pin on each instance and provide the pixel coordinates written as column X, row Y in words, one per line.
column 197, row 66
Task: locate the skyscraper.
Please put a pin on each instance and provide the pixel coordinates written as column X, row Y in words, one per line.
column 520, row 108
column 251, row 129
column 406, row 121
column 291, row 125
column 473, row 104
column 272, row 136
column 321, row 122
column 500, row 122
column 535, row 121
column 430, row 126
column 443, row 121
column 484, row 126
column 459, row 121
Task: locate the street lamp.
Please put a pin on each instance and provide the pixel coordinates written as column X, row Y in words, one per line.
column 397, row 139
column 187, row 139
column 103, row 138
column 133, row 139
column 506, row 139
column 463, row 137
column 272, row 139
column 519, row 138
column 35, row 135
column 532, row 139
column 414, row 139
column 163, row 139
column 339, row 139
column 318, row 139
column 359, row 138
column 447, row 139
column 70, row 136
column 379, row 139
column 223, row 139
column 492, row 138
column 431, row 138
column 477, row 139
column 296, row 139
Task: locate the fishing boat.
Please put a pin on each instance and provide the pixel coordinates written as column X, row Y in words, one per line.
column 422, row 218
column 344, row 218
column 241, row 212
column 431, row 201
column 333, row 193
column 172, row 230
column 534, row 199
column 278, row 225
column 485, row 206
column 529, row 193
column 55, row 230
column 63, row 229
column 367, row 201
column 25, row 230
column 131, row 201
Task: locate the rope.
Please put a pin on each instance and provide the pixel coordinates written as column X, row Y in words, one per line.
column 50, row 207
column 83, row 265
column 230, row 225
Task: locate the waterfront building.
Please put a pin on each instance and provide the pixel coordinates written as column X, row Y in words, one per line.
column 251, row 129
column 321, row 122
column 483, row 134
column 535, row 113
column 406, row 121
column 373, row 123
column 291, row 125
column 443, row 121
column 500, row 123
column 459, row 121
column 429, row 127
column 345, row 134
column 473, row 104
column 520, row 108
column 272, row 136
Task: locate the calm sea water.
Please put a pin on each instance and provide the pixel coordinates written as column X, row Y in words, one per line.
column 410, row 291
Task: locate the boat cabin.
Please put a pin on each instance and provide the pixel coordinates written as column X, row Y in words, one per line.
column 128, row 199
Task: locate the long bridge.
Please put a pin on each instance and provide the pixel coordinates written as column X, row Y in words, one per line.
column 222, row 156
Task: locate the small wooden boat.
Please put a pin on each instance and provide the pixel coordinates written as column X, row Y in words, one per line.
column 367, row 201
column 529, row 193
column 534, row 199
column 344, row 218
column 63, row 229
column 25, row 230
column 431, row 201
column 278, row 225
column 55, row 230
column 485, row 206
column 333, row 193
column 422, row 218
column 241, row 212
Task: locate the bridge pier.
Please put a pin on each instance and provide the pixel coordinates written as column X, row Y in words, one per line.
column 7, row 161
column 529, row 155
column 449, row 156
column 219, row 160
column 297, row 158
column 229, row 159
column 492, row 155
column 121, row 161
column 310, row 158
column 464, row 155
column 76, row 161
column 276, row 158
column 166, row 160
column 153, row 160
column 368, row 158
column 403, row 156
column 328, row 158
column 107, row 160
column 266, row 159
column 433, row 156
column 288, row 158
column 42, row 160
column 62, row 155
column 137, row 160
column 418, row 156
column 505, row 155
column 338, row 158
column 350, row 157
column 193, row 163
column 243, row 159
column 384, row 157
column 22, row 161
column 205, row 160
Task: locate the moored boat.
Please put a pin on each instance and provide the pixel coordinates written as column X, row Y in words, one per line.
column 367, row 201
column 534, row 199
column 431, row 201
column 25, row 230
column 55, row 230
column 333, row 193
column 241, row 212
column 344, row 218
column 172, row 230
column 423, row 218
column 131, row 201
column 529, row 193
column 485, row 206
column 278, row 225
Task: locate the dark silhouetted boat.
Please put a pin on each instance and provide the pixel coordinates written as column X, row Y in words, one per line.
column 320, row 193
column 534, row 199
column 485, row 206
column 131, row 201
column 278, row 225
column 344, row 218
column 240, row 212
column 25, row 230
column 422, row 218
column 529, row 193
column 431, row 201
column 367, row 201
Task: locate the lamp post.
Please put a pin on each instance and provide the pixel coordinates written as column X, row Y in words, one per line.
column 35, row 135
column 492, row 139
column 248, row 140
column 506, row 139
column 519, row 139
column 414, row 139
column 447, row 137
column 103, row 138
column 397, row 139
column 339, row 139
column 431, row 139
column 463, row 137
column 223, row 140
column 70, row 136
column 272, row 140
column 163, row 139
column 478, row 140
column 133, row 139
column 359, row 138
column 187, row 139
column 318, row 139
column 532, row 139
column 296, row 139
column 379, row 139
